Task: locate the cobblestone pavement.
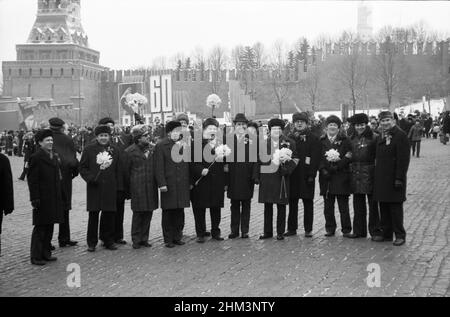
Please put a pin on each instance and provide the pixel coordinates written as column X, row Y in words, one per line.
column 294, row 267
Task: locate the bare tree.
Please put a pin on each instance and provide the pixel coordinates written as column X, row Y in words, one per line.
column 312, row 86
column 217, row 61
column 279, row 83
column 260, row 55
column 236, row 56
column 159, row 62
column 391, row 71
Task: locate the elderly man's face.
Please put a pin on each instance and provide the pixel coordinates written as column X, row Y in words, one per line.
column 387, row 123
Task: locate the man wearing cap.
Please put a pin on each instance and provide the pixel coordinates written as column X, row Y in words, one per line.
column 208, row 181
column 172, row 176
column 141, row 184
column 274, row 179
column 46, row 196
column 102, row 178
column 363, row 143
column 6, row 190
column 391, row 168
column 64, row 146
column 241, row 176
column 121, row 141
column 303, row 179
column 334, row 177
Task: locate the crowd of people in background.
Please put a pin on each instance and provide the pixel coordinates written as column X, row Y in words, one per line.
column 354, row 157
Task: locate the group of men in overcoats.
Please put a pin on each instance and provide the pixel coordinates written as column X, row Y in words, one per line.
column 370, row 166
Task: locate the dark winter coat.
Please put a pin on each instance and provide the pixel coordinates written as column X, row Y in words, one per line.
column 334, row 178
column 274, row 186
column 101, row 185
column 173, row 175
column 308, row 148
column 209, row 192
column 141, row 178
column 6, row 185
column 363, row 161
column 415, row 133
column 64, row 146
column 392, row 163
column 44, row 182
column 242, row 169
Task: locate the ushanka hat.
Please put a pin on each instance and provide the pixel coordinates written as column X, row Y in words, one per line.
column 172, row 125
column 359, row 118
column 139, row 130
column 300, row 116
column 275, row 122
column 240, row 117
column 210, row 121
column 41, row 135
column 102, row 129
column 385, row 115
column 333, row 119
column 106, row 121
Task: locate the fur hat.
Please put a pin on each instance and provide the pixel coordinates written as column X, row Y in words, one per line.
column 106, row 121
column 385, row 114
column 359, row 118
column 210, row 121
column 253, row 124
column 102, row 129
column 183, row 117
column 276, row 123
column 43, row 134
column 240, row 117
column 170, row 126
column 333, row 119
column 56, row 122
column 300, row 116
column 139, row 130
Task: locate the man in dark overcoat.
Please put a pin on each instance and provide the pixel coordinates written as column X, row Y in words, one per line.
column 64, row 146
column 209, row 184
column 6, row 190
column 363, row 143
column 334, row 178
column 241, row 176
column 391, row 168
column 46, row 196
column 121, row 140
column 274, row 179
column 102, row 183
column 172, row 176
column 303, row 179
column 141, row 184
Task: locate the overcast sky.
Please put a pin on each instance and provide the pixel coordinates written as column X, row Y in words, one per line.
column 131, row 33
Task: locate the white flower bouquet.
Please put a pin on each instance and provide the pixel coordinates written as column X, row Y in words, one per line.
column 135, row 101
column 104, row 159
column 213, row 101
column 332, row 156
column 221, row 151
column 281, row 156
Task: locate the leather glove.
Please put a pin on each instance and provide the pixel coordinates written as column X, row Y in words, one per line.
column 310, row 180
column 7, row 212
column 398, row 184
column 36, row 203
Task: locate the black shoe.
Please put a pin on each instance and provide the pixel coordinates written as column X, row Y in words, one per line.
column 308, row 234
column 51, row 259
column 207, row 234
column 91, row 249
column 121, row 241
column 218, row 238
column 52, row 247
column 244, row 236
column 136, row 246
column 179, row 242
column 329, row 234
column 353, row 236
column 200, row 240
column 399, row 242
column 233, row 236
column 170, row 245
column 280, row 237
column 290, row 233
column 38, row 262
column 348, row 235
column 265, row 236
column 111, row 247
column 68, row 244
column 378, row 239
